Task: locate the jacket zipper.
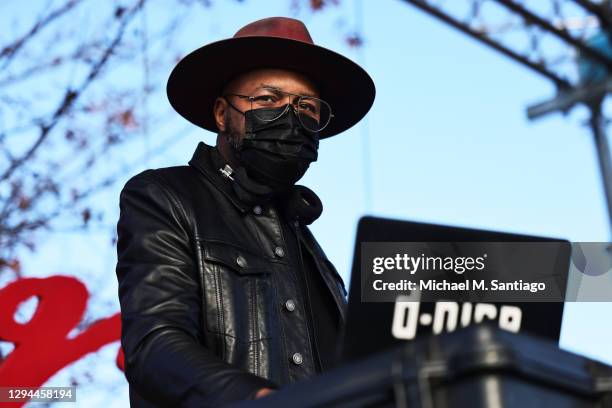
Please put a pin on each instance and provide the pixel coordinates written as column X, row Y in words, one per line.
column 298, row 234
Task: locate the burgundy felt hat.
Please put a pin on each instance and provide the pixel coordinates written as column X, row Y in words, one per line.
column 275, row 42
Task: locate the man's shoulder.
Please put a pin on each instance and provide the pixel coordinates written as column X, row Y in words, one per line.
column 170, row 175
column 179, row 182
column 173, row 178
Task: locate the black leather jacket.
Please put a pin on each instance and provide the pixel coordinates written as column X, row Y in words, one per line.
column 202, row 288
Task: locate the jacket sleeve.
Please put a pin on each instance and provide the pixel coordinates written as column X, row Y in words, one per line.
column 159, row 293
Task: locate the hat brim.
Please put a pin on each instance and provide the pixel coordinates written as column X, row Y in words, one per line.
column 198, row 78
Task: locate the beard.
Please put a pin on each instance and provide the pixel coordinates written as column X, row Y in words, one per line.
column 232, row 135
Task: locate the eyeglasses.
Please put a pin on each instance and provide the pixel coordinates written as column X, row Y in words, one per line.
column 307, row 108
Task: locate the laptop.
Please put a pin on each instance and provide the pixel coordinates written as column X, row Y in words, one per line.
column 370, row 325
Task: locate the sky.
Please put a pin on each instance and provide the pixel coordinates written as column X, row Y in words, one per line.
column 447, row 141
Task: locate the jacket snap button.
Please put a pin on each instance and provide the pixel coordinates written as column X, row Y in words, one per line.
column 279, row 252
column 241, row 261
column 257, row 210
column 290, row 305
column 297, row 358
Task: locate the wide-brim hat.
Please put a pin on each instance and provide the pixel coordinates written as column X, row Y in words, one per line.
column 276, row 42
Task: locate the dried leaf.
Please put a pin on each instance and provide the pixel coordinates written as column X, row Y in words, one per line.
column 354, row 40
column 317, row 4
column 86, row 215
column 24, row 203
column 127, row 119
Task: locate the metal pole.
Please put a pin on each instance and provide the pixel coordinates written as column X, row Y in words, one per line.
column 598, row 126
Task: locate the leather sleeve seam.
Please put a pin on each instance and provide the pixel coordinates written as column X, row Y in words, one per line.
column 172, row 197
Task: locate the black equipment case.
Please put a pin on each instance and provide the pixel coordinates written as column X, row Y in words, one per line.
column 479, row 366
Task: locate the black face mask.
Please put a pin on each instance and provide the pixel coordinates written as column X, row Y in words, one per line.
column 277, row 153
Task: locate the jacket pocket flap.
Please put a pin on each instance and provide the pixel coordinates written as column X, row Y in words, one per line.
column 234, row 257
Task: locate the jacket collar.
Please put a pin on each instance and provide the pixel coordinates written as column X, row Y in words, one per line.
column 208, row 161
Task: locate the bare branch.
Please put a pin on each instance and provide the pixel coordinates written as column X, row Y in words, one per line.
column 8, row 52
column 71, row 95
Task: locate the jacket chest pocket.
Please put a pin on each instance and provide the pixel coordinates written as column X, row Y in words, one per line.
column 237, row 284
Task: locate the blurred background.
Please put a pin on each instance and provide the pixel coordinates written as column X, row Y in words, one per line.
column 83, row 108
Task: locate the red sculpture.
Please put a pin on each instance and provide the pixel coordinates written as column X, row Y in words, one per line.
column 42, row 346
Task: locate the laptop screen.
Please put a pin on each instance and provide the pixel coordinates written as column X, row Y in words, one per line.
column 373, row 326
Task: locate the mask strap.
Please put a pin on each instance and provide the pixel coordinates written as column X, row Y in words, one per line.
column 232, row 106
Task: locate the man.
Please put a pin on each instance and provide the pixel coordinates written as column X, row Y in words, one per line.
column 225, row 294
